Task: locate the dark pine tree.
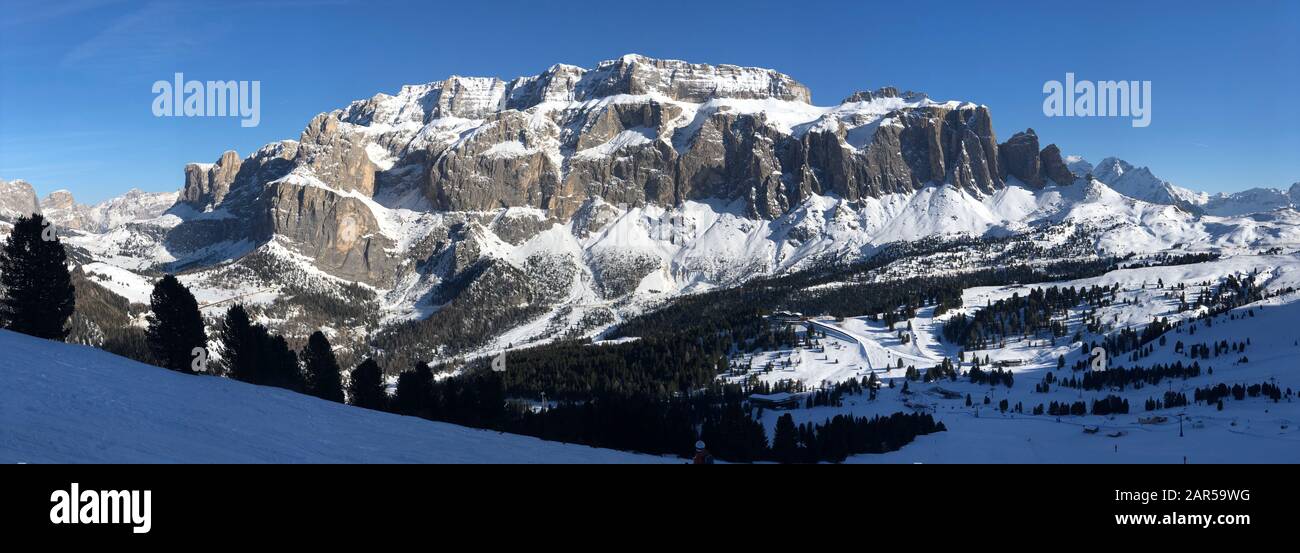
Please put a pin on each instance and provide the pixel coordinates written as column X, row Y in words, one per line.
column 252, row 354
column 367, row 386
column 785, row 441
column 36, row 293
column 323, row 380
column 240, row 347
column 175, row 330
column 282, row 364
column 415, row 392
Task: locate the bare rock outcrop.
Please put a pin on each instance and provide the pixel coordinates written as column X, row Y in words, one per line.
column 1022, row 159
column 339, row 233
column 206, row 184
column 337, row 156
column 1054, row 167
column 17, row 199
column 503, row 163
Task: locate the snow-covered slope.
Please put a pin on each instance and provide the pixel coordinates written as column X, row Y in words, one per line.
column 1246, row 430
column 73, row 404
column 1141, row 184
column 1254, row 200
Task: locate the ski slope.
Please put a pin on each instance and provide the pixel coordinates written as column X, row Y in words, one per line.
column 1251, row 430
column 63, row 403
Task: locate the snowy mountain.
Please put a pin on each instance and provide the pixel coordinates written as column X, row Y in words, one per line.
column 73, row 404
column 136, row 205
column 1254, row 200
column 1139, row 183
column 471, row 214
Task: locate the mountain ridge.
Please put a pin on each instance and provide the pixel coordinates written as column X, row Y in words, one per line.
column 1140, row 183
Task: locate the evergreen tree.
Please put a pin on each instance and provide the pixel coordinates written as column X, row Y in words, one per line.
column 36, row 293
column 323, row 380
column 239, row 346
column 785, row 440
column 282, row 364
column 414, row 392
column 366, row 387
column 176, row 327
column 252, row 354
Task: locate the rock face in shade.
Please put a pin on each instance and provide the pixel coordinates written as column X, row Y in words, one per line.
column 1022, row 159
column 1054, row 167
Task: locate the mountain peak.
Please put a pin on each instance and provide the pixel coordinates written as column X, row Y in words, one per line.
column 1111, row 168
column 883, row 92
column 17, row 199
column 631, row 74
column 1078, row 165
column 58, row 199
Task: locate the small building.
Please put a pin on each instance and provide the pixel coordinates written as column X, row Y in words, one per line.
column 946, row 394
column 779, row 400
column 787, row 316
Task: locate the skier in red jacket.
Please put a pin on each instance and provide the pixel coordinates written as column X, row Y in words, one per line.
column 702, row 456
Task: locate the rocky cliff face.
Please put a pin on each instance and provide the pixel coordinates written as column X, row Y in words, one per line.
column 206, row 184
column 339, row 153
column 628, row 132
column 17, row 199
column 1022, row 159
column 394, row 186
column 338, row 233
column 637, row 130
column 62, row 208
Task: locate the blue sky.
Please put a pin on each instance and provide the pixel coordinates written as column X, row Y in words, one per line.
column 75, row 76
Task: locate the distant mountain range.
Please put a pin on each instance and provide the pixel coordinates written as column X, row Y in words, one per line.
column 18, row 198
column 1139, row 183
